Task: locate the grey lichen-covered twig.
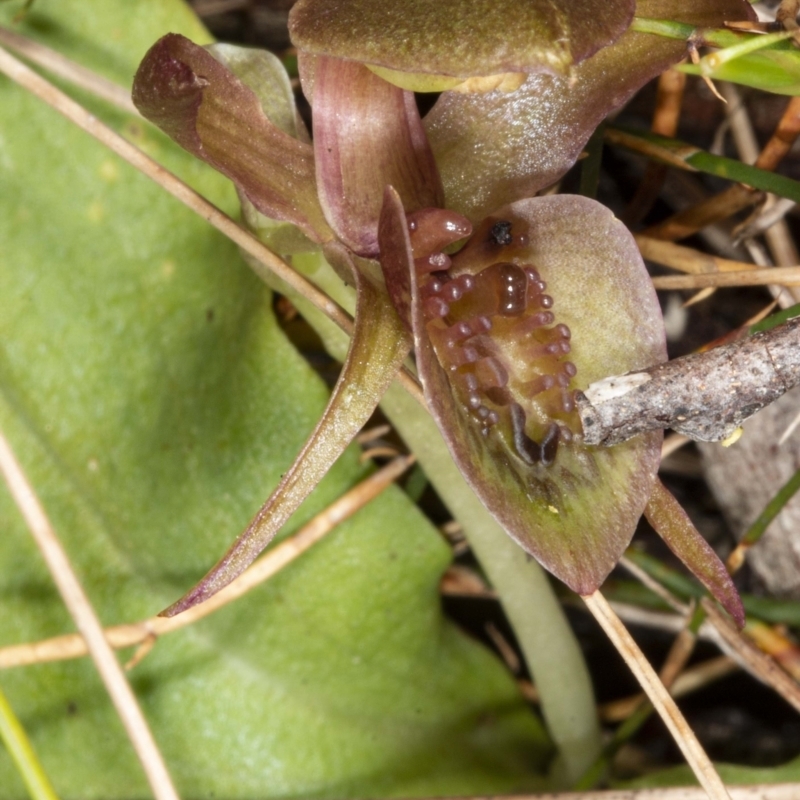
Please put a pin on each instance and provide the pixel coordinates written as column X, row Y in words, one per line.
column 705, row 396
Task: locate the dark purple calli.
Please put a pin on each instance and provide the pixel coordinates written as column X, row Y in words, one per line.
column 546, row 296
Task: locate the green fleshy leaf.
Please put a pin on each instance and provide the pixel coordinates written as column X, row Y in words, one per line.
column 367, row 135
column 450, row 37
column 379, row 346
column 673, row 525
column 516, row 144
column 577, row 514
column 155, row 402
column 201, row 104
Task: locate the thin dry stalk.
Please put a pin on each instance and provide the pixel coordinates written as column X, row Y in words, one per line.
column 666, row 116
column 735, row 198
column 68, row 70
column 763, row 218
column 649, row 582
column 88, row 624
column 687, row 259
column 677, row 658
column 145, row 633
column 658, row 696
column 714, row 209
column 758, row 664
column 785, row 135
column 688, row 681
column 778, row 237
column 78, row 115
column 786, row 276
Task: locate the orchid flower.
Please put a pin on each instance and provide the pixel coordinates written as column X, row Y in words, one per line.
column 511, row 302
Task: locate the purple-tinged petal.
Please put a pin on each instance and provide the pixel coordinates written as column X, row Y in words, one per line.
column 547, row 296
column 379, row 346
column 669, row 520
column 494, row 147
column 201, row 104
column 457, row 38
column 367, row 135
column 264, row 74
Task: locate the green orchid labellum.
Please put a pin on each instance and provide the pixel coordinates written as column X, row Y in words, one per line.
column 546, row 296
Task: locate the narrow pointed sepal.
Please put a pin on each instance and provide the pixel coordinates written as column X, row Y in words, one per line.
column 203, row 106
column 379, row 346
column 669, row 520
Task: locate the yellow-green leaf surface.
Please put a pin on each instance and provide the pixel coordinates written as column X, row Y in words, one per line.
column 155, row 404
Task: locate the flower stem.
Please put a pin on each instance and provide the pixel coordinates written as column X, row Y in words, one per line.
column 547, row 641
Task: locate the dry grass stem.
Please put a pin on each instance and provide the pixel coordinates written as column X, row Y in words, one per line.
column 75, row 113
column 763, row 218
column 88, row 624
column 654, row 586
column 677, row 658
column 459, row 581
column 666, row 116
column 68, row 70
column 379, row 451
column 778, row 236
column 687, row 259
column 735, row 198
column 688, row 681
column 714, row 209
column 785, row 276
column 658, row 696
column 372, row 434
column 507, row 652
column 737, row 118
column 758, row 664
column 145, row 633
column 783, row 138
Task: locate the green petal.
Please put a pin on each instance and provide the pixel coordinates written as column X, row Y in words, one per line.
column 457, row 38
column 263, row 73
